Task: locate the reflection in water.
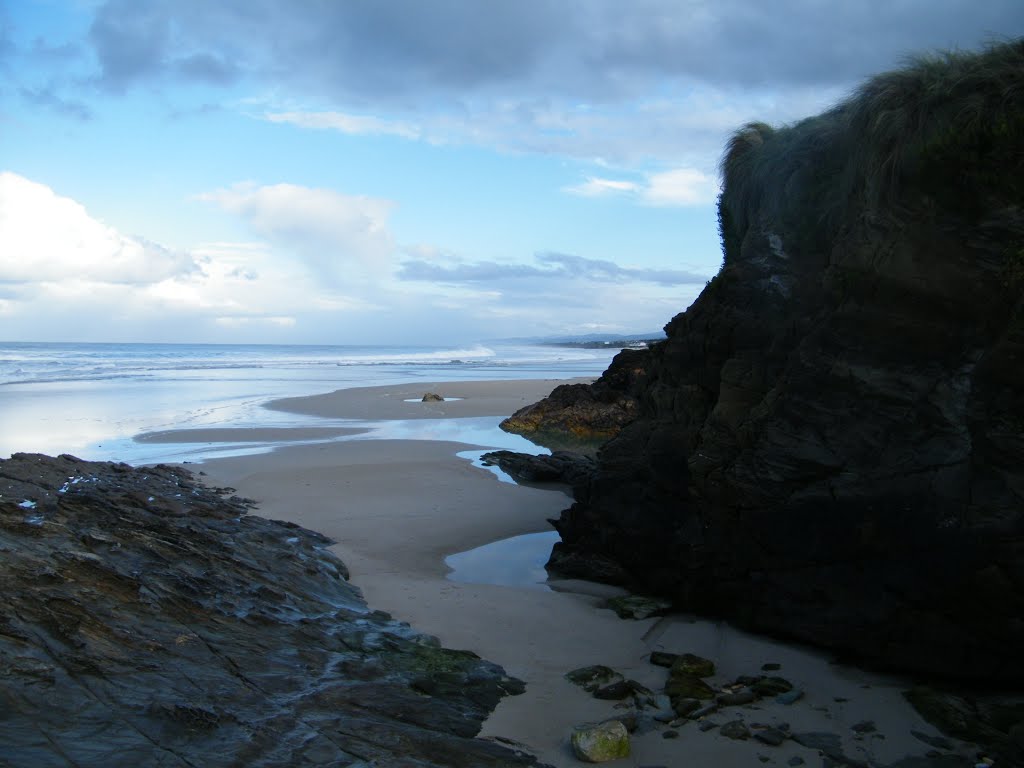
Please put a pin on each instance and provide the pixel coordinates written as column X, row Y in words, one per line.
column 514, row 562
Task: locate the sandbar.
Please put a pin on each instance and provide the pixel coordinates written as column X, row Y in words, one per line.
column 247, row 434
column 470, row 399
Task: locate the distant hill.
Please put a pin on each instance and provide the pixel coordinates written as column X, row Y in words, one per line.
column 593, row 340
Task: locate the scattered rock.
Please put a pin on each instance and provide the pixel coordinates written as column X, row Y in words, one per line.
column 735, row 729
column 864, row 726
column 600, row 743
column 795, row 761
column 790, row 697
column 770, row 736
column 631, row 720
column 771, row 686
column 620, row 689
column 432, row 397
column 688, row 687
column 593, row 677
column 770, row 667
column 736, row 699
column 663, row 659
column 706, row 725
column 638, row 607
column 666, row 715
column 693, row 666
column 697, row 714
column 684, row 707
column 670, row 734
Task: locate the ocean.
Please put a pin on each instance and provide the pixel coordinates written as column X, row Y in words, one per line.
column 90, row 400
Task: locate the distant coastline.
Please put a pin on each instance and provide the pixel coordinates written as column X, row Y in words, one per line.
column 609, row 344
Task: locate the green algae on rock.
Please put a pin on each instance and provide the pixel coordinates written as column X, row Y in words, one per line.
column 601, row 743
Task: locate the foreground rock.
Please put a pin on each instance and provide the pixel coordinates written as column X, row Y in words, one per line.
column 148, row 620
column 829, row 445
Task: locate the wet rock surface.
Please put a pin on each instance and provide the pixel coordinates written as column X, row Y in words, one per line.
column 566, row 467
column 149, row 620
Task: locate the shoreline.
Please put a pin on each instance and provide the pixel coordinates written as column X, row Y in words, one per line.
column 398, row 507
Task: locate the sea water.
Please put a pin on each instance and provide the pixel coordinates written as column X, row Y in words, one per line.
column 90, row 400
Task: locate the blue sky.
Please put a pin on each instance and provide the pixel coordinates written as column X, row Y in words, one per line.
column 399, row 171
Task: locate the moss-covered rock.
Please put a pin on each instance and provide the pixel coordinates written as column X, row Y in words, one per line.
column 771, row 686
column 688, row 687
column 691, row 665
column 638, row 607
column 601, row 743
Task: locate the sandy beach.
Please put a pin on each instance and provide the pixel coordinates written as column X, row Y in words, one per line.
column 397, row 508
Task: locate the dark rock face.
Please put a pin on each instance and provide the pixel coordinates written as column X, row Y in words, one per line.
column 574, row 415
column 830, row 444
column 148, row 620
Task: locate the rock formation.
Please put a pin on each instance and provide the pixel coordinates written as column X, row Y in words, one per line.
column 583, row 416
column 148, row 620
column 829, row 445
column 572, row 469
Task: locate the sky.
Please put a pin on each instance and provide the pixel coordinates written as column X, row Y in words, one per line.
column 400, row 171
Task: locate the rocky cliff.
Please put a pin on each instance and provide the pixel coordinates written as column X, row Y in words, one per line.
column 829, row 446
column 149, row 620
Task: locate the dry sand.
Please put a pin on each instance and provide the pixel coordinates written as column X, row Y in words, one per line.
column 398, row 507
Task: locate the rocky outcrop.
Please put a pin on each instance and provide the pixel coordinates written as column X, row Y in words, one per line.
column 566, row 467
column 148, row 620
column 829, row 445
column 578, row 416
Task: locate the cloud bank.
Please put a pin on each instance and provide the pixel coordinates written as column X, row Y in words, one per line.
column 322, row 263
column 651, row 81
column 45, row 237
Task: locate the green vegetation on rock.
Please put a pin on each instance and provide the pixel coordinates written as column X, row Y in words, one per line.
column 601, row 743
column 692, row 665
column 901, row 129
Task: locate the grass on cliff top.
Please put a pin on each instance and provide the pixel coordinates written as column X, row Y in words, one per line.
column 946, row 122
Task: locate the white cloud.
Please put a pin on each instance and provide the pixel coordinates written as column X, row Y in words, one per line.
column 259, row 290
column 676, row 187
column 682, row 186
column 597, row 187
column 345, row 123
column 47, row 237
column 68, row 276
column 235, row 321
column 339, row 237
